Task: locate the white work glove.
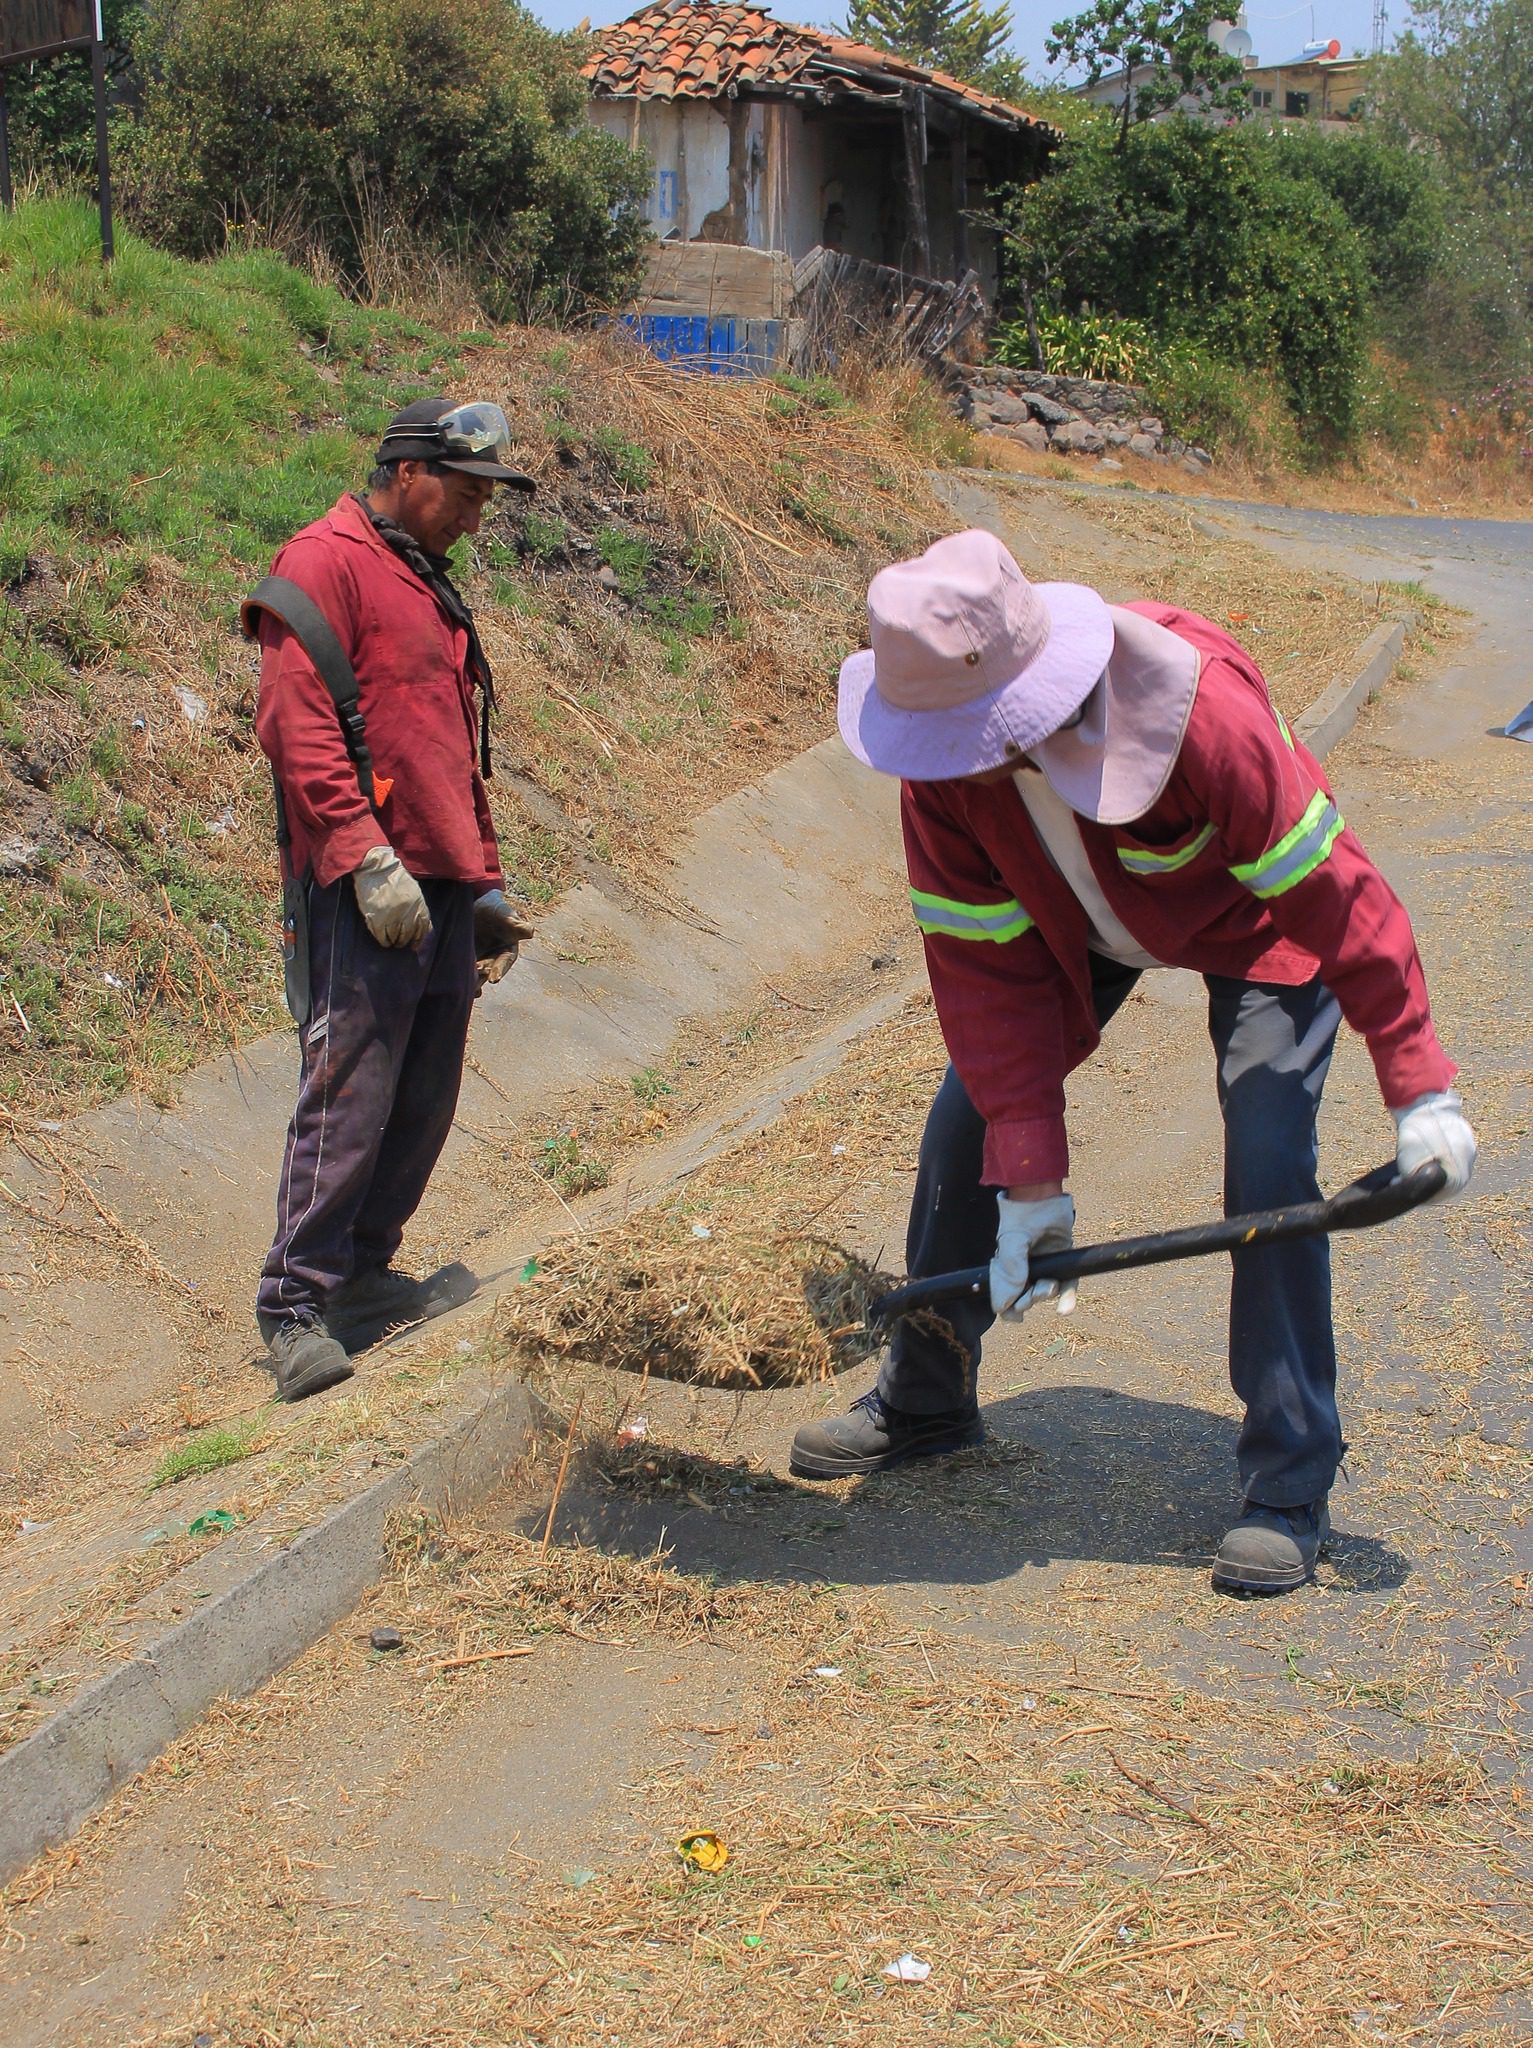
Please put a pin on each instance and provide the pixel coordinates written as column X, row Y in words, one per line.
column 1435, row 1127
column 390, row 899
column 1026, row 1227
column 498, row 935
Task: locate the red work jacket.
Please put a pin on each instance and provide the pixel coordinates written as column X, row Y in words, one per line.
column 417, row 702
column 1242, row 867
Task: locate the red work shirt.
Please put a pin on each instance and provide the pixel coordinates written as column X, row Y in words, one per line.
column 1242, row 867
column 417, row 701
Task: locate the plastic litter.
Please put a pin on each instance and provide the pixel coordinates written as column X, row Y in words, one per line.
column 214, row 1521
column 701, row 1230
column 530, row 1271
column 908, row 1969
column 827, row 1670
column 703, row 1850
column 579, row 1877
column 634, row 1432
column 193, row 708
column 31, row 1528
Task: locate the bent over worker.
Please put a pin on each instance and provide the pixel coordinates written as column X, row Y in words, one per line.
column 392, row 865
column 1090, row 792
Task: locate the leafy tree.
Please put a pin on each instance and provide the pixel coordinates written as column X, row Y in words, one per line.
column 963, row 37
column 1202, row 232
column 1460, row 84
column 1162, row 48
column 52, row 101
column 354, row 127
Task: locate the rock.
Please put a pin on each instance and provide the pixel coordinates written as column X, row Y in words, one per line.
column 1192, row 468
column 1077, row 437
column 1144, row 445
column 1006, row 411
column 1152, row 426
column 1030, row 436
column 1202, row 457
column 1046, row 409
column 1172, row 447
column 607, row 577
column 386, row 1639
column 1107, row 462
column 19, row 855
column 1116, row 436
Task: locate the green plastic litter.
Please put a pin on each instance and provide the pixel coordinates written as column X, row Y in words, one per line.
column 751, row 1941
column 216, row 1520
column 531, row 1270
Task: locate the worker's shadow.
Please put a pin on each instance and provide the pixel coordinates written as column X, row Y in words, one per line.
column 1070, row 1474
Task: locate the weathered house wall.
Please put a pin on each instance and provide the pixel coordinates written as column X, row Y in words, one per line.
column 769, row 174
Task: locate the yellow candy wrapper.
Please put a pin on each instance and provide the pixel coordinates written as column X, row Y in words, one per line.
column 703, row 1850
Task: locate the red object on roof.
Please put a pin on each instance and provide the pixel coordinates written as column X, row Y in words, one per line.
column 683, row 49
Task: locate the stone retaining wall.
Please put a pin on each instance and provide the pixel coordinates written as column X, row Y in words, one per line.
column 1072, row 416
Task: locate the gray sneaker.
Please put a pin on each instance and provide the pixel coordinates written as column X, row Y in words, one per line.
column 1272, row 1550
column 380, row 1299
column 873, row 1437
column 304, row 1356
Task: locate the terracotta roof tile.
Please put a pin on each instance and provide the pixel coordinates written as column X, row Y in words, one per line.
column 687, row 49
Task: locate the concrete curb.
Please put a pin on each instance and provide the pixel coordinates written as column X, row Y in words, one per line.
column 263, row 1616
column 268, row 1612
column 1333, row 714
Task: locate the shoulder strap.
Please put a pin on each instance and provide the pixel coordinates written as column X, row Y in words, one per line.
column 298, row 611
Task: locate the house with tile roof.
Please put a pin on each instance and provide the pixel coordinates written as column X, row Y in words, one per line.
column 785, row 140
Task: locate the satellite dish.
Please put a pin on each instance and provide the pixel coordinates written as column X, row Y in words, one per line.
column 1237, row 43
column 1333, row 48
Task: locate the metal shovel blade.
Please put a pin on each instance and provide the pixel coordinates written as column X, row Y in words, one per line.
column 1377, row 1197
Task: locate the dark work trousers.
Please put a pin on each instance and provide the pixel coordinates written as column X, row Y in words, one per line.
column 382, row 1062
column 1273, row 1048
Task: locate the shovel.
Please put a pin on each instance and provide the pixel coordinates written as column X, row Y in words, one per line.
column 1378, row 1197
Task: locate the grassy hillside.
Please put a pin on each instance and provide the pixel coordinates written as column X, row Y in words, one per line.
column 665, row 620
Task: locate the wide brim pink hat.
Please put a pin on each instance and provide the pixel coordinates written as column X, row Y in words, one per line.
column 970, row 665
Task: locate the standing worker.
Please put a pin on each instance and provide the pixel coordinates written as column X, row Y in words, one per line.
column 1091, row 792
column 395, row 912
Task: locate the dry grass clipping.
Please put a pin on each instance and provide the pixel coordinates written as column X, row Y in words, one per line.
column 723, row 1309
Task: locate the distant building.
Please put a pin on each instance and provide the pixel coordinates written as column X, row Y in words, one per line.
column 771, row 137
column 1318, row 85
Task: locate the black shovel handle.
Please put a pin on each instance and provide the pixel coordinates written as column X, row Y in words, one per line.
column 1377, row 1198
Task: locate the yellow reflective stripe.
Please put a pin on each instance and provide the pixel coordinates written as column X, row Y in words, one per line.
column 1283, row 728
column 1297, row 854
column 1139, row 860
column 945, row 916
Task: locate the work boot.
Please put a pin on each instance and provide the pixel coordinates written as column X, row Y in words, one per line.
column 873, row 1437
column 1272, row 1550
column 379, row 1298
column 304, row 1356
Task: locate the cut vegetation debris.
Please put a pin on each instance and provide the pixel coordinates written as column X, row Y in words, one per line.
column 725, row 1310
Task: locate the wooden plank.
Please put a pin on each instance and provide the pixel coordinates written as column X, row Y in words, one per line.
column 716, row 277
column 915, row 181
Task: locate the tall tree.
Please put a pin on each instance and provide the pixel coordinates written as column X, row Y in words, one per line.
column 963, row 37
column 1162, row 49
column 1460, row 84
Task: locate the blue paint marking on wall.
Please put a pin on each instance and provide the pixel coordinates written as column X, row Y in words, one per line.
column 716, row 347
column 665, row 201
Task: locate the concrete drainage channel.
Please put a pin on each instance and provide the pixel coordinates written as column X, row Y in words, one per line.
column 257, row 1602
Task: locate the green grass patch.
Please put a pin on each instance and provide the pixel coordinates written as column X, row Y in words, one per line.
column 209, row 1451
column 632, row 466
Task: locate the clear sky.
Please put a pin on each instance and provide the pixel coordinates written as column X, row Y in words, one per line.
column 1276, row 35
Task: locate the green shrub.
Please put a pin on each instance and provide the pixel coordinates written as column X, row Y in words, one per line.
column 343, row 126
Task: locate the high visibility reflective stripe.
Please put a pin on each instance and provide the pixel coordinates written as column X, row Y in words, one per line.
column 1140, row 861
column 1283, row 728
column 1297, row 854
column 997, row 921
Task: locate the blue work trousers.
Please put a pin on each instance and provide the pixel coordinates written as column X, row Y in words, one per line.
column 1273, row 1047
column 382, row 1064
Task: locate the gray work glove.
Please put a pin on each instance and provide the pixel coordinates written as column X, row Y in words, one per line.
column 1435, row 1127
column 1025, row 1228
column 390, row 899
column 498, row 935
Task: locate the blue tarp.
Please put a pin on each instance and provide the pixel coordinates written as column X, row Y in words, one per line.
column 716, row 346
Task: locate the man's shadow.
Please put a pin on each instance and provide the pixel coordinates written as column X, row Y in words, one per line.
column 1070, row 1475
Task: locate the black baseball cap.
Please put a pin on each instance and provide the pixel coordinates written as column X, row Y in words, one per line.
column 475, row 438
